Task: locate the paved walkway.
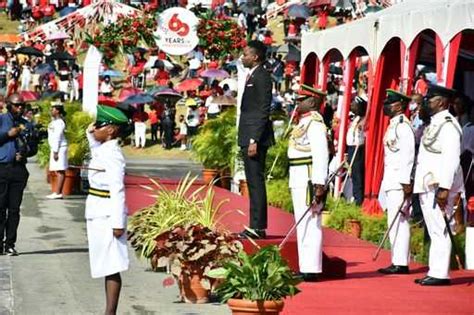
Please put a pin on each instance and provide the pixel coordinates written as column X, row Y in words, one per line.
column 51, row 276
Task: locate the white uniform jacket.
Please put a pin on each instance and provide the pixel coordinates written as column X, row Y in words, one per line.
column 399, row 153
column 109, row 158
column 438, row 163
column 355, row 135
column 56, row 134
column 308, row 140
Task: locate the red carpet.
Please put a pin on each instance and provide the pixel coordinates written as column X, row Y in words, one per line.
column 363, row 291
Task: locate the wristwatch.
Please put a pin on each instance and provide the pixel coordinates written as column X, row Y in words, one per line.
column 252, row 141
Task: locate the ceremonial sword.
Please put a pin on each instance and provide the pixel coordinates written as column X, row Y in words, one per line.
column 385, row 236
column 313, row 203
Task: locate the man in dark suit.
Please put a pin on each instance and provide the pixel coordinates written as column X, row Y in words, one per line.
column 256, row 133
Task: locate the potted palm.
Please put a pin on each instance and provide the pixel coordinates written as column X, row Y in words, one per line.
column 256, row 283
column 76, row 124
column 215, row 146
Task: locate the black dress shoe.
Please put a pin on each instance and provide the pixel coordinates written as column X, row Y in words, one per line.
column 308, row 276
column 253, row 234
column 395, row 270
column 430, row 281
column 418, row 281
column 11, row 252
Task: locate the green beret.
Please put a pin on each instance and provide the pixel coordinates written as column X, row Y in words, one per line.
column 438, row 90
column 395, row 96
column 309, row 91
column 110, row 115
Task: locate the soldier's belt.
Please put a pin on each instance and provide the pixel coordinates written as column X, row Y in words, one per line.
column 99, row 193
column 301, row 161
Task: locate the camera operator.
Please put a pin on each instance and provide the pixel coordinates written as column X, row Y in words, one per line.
column 14, row 149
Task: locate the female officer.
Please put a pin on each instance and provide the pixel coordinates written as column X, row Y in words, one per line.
column 58, row 146
column 106, row 212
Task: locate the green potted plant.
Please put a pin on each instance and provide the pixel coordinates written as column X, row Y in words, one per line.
column 78, row 148
column 190, row 251
column 215, row 146
column 173, row 207
column 256, row 283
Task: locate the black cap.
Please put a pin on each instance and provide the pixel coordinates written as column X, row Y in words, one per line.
column 438, row 90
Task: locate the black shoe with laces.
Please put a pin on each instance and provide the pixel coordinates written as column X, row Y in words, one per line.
column 11, row 252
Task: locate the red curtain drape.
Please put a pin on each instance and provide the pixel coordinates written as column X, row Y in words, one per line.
column 412, row 58
column 386, row 75
column 324, row 84
column 310, row 71
column 454, row 46
column 439, row 59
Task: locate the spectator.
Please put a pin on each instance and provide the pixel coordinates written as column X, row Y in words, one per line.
column 277, row 72
column 106, row 87
column 64, row 80
column 154, row 123
column 76, row 73
column 355, row 140
column 162, row 77
column 421, row 85
column 213, row 108
column 139, row 119
column 183, row 133
column 25, row 77
column 461, row 105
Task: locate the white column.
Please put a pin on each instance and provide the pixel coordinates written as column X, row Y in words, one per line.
column 343, row 123
column 91, row 80
column 444, row 75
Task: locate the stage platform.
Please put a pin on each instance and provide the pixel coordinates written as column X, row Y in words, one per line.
column 361, row 291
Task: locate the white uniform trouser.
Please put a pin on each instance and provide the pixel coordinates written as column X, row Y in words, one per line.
column 308, row 233
column 440, row 248
column 400, row 233
column 63, row 86
column 74, row 90
column 140, row 133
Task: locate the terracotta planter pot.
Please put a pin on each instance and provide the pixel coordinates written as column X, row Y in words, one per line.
column 208, row 175
column 353, row 227
column 246, row 307
column 224, row 179
column 243, row 188
column 71, row 182
column 191, row 289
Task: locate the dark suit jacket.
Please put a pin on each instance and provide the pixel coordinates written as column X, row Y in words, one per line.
column 254, row 120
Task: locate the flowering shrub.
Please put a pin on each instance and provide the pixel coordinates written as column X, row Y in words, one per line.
column 124, row 35
column 220, row 36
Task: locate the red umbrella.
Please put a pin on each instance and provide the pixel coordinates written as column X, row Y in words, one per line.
column 188, row 85
column 29, row 96
column 127, row 92
column 107, row 101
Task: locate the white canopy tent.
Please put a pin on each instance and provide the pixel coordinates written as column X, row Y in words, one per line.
column 404, row 20
column 391, row 40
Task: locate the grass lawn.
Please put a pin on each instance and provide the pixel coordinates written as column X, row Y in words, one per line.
column 155, row 151
column 7, row 26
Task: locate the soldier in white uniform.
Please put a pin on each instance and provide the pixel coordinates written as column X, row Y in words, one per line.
column 437, row 180
column 106, row 211
column 58, row 148
column 308, row 160
column 399, row 156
